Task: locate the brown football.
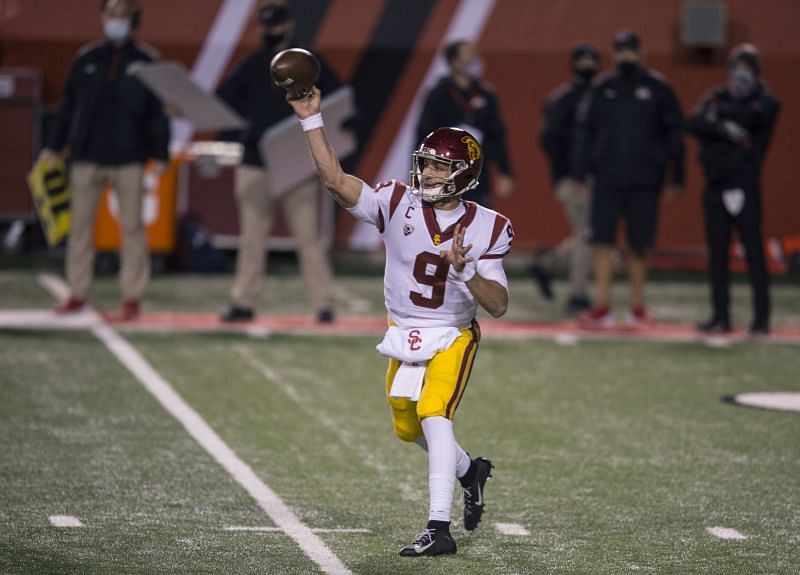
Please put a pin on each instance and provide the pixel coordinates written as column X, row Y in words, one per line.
column 294, row 69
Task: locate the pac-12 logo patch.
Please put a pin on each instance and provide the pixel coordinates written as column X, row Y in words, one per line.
column 414, row 340
column 408, row 229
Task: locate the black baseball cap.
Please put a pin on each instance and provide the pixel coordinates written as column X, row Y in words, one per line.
column 748, row 54
column 627, row 39
column 273, row 15
column 584, row 50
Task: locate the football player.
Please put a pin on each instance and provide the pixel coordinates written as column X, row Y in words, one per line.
column 443, row 259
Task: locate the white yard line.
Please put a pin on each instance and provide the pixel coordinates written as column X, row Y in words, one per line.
column 45, row 319
column 725, row 533
column 196, row 426
column 780, row 400
column 54, row 284
column 511, row 529
column 65, row 521
column 249, row 529
column 566, row 339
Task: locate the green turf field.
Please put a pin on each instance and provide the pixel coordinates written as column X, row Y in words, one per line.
column 615, row 457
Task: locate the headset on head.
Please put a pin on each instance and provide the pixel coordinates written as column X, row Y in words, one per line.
column 136, row 14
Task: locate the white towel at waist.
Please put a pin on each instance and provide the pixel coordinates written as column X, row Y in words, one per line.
column 408, row 380
column 417, row 344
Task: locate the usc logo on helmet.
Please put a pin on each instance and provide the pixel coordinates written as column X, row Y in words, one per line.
column 473, row 149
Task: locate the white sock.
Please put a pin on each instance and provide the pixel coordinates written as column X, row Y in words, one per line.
column 441, row 466
column 463, row 459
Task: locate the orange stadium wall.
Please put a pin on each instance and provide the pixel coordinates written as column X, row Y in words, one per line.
column 525, row 44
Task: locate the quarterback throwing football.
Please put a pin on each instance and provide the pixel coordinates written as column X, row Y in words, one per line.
column 444, row 257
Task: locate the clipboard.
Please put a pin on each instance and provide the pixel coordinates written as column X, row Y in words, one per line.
column 171, row 82
column 284, row 147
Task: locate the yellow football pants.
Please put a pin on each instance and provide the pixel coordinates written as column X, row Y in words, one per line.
column 445, row 380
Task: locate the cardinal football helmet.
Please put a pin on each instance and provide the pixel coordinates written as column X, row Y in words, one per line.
column 459, row 151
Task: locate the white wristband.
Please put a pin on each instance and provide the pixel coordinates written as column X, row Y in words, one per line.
column 312, row 122
column 469, row 271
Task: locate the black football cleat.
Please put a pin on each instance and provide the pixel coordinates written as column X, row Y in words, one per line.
column 578, row 303
column 543, row 279
column 237, row 313
column 715, row 325
column 473, row 493
column 326, row 316
column 429, row 543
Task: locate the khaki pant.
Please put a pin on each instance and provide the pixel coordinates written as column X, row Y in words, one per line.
column 256, row 215
column 574, row 253
column 86, row 182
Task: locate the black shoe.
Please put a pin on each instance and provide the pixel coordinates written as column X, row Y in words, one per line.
column 578, row 303
column 758, row 328
column 429, row 543
column 473, row 492
column 715, row 325
column 325, row 316
column 543, row 279
column 236, row 313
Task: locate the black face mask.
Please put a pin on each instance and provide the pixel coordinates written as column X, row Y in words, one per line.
column 272, row 41
column 585, row 75
column 627, row 69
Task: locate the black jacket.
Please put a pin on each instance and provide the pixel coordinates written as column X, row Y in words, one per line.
column 106, row 114
column 448, row 106
column 249, row 90
column 725, row 162
column 629, row 130
column 559, row 126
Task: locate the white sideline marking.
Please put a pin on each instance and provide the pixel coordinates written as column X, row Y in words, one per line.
column 276, row 529
column 55, row 285
column 718, row 342
column 511, row 529
column 780, row 400
column 208, row 439
column 65, row 521
column 45, row 319
column 725, row 533
column 566, row 339
column 258, row 332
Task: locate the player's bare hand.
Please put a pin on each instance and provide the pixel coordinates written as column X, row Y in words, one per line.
column 456, row 256
column 504, row 186
column 304, row 103
column 48, row 157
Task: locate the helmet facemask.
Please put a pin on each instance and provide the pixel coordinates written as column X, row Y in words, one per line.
column 452, row 185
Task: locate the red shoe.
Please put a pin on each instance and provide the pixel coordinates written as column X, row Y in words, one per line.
column 597, row 317
column 130, row 310
column 638, row 317
column 72, row 305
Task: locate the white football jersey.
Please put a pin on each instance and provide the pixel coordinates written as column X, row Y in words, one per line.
column 420, row 288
